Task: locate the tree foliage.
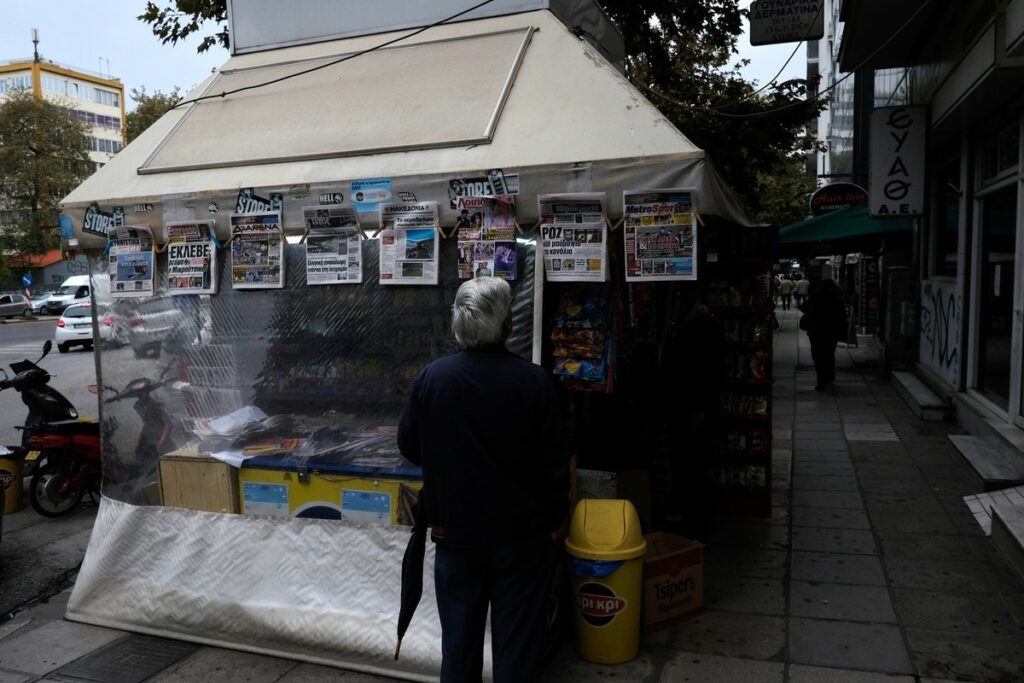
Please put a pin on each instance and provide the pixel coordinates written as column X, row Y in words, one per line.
column 44, row 155
column 682, row 55
column 148, row 108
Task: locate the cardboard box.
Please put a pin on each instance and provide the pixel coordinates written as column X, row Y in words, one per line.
column 673, row 580
column 193, row 480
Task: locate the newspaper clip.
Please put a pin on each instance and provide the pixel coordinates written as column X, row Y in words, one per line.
column 157, row 249
column 700, row 220
column 305, row 234
column 616, row 226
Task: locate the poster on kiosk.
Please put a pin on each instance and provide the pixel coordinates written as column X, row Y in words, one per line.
column 659, row 235
column 257, row 251
column 191, row 258
column 574, row 230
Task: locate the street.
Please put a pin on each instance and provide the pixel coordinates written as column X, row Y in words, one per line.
column 39, row 556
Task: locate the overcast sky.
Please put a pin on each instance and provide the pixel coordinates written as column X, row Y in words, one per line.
column 104, row 36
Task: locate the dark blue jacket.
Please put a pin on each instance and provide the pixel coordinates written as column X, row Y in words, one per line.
column 485, row 427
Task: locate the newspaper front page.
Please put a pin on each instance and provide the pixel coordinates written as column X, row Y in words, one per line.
column 659, row 235
column 409, row 244
column 130, row 261
column 257, row 251
column 574, row 233
column 191, row 258
column 487, row 237
column 334, row 249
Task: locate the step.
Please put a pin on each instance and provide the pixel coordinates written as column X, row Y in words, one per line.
column 997, row 466
column 921, row 400
column 1008, row 534
column 981, row 504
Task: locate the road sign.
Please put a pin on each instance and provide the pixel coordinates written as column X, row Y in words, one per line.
column 26, row 280
column 786, row 21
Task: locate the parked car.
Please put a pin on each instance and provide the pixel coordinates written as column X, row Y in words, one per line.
column 74, row 327
column 38, row 302
column 15, row 303
column 152, row 322
column 75, row 290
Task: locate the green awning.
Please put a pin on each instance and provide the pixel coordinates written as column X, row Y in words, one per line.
column 852, row 221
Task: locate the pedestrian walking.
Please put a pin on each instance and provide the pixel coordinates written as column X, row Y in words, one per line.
column 801, row 291
column 496, row 502
column 786, row 292
column 824, row 320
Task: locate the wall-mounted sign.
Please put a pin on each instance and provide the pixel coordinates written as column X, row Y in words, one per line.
column 897, row 161
column 837, row 196
column 786, row 21
column 250, row 202
column 98, row 222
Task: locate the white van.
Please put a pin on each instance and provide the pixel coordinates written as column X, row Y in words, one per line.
column 75, row 290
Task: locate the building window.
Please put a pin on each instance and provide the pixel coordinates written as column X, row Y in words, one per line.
column 946, row 222
column 105, row 146
column 999, row 153
column 107, row 97
column 15, row 83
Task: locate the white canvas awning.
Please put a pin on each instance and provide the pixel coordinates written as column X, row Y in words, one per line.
column 519, row 93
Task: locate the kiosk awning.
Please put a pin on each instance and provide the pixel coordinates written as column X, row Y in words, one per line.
column 850, row 222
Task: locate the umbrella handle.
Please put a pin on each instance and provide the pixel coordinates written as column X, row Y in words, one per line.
column 398, row 647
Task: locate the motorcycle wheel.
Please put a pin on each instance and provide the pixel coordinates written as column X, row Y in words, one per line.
column 45, row 496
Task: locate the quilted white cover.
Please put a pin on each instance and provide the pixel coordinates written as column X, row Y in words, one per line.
column 320, row 591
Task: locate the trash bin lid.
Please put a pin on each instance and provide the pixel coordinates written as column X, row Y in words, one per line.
column 603, row 529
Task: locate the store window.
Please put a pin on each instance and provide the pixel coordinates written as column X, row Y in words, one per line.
column 945, row 233
column 1000, row 152
column 995, row 322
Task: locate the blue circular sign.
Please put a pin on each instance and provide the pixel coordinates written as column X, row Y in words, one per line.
column 26, row 280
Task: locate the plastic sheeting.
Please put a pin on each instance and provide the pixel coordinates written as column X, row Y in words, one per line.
column 315, row 590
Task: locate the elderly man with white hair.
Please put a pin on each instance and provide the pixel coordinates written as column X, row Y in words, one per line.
column 484, row 425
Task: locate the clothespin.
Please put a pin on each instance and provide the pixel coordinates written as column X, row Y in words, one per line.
column 613, row 228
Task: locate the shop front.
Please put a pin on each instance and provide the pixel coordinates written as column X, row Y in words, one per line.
column 284, row 258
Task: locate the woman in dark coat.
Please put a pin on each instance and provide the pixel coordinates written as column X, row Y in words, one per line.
column 824, row 319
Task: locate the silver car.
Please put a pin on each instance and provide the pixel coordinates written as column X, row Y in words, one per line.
column 15, row 303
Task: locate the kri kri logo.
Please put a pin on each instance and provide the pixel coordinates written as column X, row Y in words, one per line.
column 598, row 604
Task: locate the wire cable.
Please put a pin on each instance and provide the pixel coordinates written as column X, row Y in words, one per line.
column 816, row 96
column 346, row 58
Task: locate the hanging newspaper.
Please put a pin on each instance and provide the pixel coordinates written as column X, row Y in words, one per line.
column 487, row 236
column 408, row 244
column 257, row 251
column 191, row 258
column 659, row 235
column 333, row 248
column 131, row 261
column 574, row 233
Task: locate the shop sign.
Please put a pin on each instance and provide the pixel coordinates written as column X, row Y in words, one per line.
column 598, row 604
column 837, row 196
column 897, row 161
column 494, row 184
column 786, row 21
column 99, row 222
column 331, row 198
column 249, row 202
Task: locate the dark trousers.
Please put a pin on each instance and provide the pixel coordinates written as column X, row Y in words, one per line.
column 786, row 300
column 823, row 352
column 515, row 579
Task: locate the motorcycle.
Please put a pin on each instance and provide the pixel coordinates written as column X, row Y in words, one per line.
column 63, row 457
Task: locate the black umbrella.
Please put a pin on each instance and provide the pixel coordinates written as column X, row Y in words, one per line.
column 412, row 571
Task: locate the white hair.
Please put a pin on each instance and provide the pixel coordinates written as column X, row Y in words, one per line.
column 478, row 315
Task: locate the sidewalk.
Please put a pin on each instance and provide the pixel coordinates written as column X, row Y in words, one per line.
column 870, row 570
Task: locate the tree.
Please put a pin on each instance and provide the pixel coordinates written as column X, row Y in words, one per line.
column 148, row 108
column 44, row 154
column 182, row 18
column 682, row 55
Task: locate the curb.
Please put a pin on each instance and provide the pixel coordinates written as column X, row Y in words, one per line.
column 35, row 318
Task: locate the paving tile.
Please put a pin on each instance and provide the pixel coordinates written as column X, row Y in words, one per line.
column 746, row 594
column 869, row 427
column 890, row 485
column 8, row 677
column 831, row 469
column 888, row 470
column 948, row 611
column 729, row 634
column 938, row 574
column 737, row 561
column 872, row 436
column 819, row 444
column 825, row 483
column 800, row 455
column 832, row 518
column 566, row 665
column 799, row 673
column 311, row 673
column 911, row 521
column 959, row 656
column 924, row 546
column 841, row 601
column 749, row 535
column 852, row 541
column 711, row 669
column 864, row 570
column 900, row 501
column 231, row 667
column 50, row 646
column 871, row 647
column 848, row 500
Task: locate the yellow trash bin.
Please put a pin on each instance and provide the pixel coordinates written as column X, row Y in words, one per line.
column 10, row 480
column 606, row 549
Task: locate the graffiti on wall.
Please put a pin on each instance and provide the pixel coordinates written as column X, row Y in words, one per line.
column 939, row 348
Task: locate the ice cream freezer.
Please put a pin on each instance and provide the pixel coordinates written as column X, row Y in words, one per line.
column 377, row 491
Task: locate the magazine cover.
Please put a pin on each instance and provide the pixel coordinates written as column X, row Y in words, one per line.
column 486, row 230
column 257, row 251
column 191, row 258
column 574, row 233
column 659, row 235
column 333, row 245
column 130, row 261
column 409, row 244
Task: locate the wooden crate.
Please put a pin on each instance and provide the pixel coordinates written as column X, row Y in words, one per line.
column 196, row 481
